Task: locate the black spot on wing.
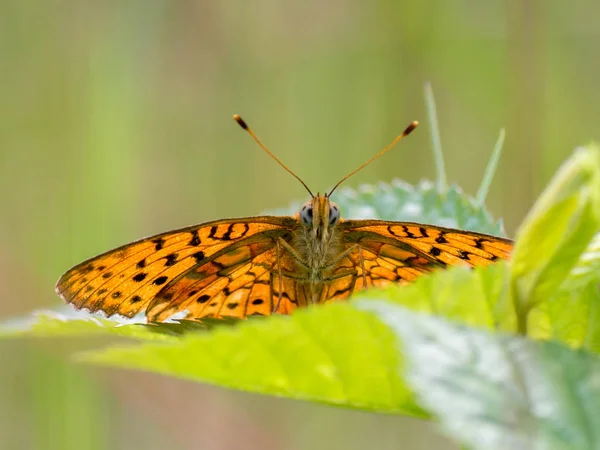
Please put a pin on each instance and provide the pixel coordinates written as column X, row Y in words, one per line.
column 158, row 243
column 203, row 298
column 139, row 277
column 87, row 269
column 171, row 259
column 199, row 257
column 160, row 280
column 463, row 255
column 195, row 239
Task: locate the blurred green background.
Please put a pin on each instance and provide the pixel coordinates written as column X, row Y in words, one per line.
column 115, row 123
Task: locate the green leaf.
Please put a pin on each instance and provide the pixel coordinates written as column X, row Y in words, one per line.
column 482, row 297
column 403, row 202
column 570, row 316
column 556, row 232
column 587, row 269
column 332, row 354
column 498, row 391
column 478, row 297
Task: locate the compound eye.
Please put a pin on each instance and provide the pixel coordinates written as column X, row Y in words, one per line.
column 306, row 214
column 334, row 214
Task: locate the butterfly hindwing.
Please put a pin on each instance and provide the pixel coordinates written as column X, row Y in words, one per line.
column 239, row 281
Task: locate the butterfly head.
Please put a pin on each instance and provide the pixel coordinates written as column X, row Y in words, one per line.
column 320, row 216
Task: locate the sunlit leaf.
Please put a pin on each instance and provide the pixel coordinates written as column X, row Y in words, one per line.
column 556, row 231
column 495, row 391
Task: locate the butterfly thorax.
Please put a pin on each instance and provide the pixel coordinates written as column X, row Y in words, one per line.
column 318, row 240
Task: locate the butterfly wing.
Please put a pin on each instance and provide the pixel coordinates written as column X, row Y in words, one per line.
column 231, row 268
column 402, row 251
column 221, row 268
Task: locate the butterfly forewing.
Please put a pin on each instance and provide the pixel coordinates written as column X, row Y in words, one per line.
column 424, row 247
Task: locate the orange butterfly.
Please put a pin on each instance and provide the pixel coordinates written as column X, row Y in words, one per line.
column 267, row 264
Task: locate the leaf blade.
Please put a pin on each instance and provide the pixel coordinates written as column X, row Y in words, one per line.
column 498, row 391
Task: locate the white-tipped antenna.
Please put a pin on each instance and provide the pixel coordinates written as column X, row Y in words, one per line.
column 405, row 133
column 243, row 124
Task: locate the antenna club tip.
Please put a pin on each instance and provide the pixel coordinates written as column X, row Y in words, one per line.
column 414, row 124
column 240, row 121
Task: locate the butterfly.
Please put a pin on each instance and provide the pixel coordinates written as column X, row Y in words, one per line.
column 269, row 264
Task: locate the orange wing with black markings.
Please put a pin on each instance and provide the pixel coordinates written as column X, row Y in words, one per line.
column 231, row 268
column 400, row 252
column 439, row 245
column 198, row 268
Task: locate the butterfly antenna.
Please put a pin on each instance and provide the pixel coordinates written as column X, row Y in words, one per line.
column 405, row 133
column 243, row 124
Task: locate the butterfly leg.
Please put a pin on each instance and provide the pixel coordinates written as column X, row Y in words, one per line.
column 344, row 254
column 280, row 276
column 292, row 252
column 281, row 245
